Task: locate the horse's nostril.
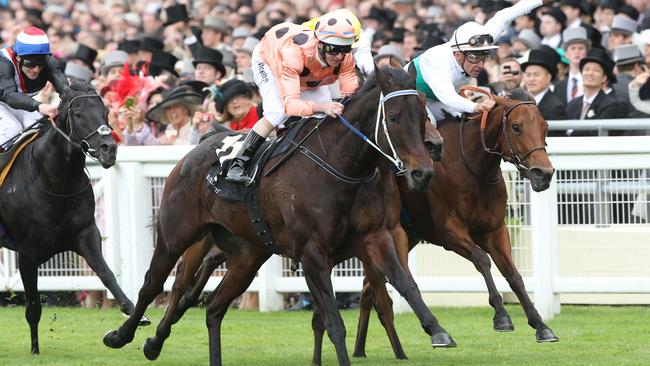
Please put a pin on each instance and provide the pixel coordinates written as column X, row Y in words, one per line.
column 430, row 146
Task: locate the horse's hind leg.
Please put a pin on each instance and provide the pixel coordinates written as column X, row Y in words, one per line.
column 29, row 275
column 379, row 251
column 184, row 275
column 318, row 327
column 366, row 300
column 240, row 274
column 499, row 248
column 161, row 265
column 89, row 247
column 190, row 298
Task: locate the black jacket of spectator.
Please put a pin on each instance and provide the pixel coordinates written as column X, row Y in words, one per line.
column 15, row 98
column 560, row 91
column 604, row 106
column 551, row 107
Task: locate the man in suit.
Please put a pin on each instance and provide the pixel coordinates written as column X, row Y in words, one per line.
column 539, row 71
column 597, row 70
column 575, row 45
column 629, row 63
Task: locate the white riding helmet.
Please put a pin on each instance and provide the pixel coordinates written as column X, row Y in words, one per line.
column 472, row 36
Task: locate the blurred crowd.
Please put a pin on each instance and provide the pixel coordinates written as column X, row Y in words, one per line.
column 170, row 70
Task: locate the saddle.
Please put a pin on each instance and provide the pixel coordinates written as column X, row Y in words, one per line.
column 8, row 157
column 248, row 194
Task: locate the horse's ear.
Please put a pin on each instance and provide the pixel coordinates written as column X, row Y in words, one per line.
column 381, row 78
column 413, row 72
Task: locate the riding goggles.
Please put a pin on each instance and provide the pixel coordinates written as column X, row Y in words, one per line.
column 335, row 50
column 33, row 62
column 476, row 58
column 482, row 40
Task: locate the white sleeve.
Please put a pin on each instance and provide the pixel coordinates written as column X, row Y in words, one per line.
column 436, row 73
column 362, row 55
column 502, row 18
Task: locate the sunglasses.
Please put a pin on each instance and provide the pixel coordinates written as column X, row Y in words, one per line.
column 32, row 63
column 474, row 58
column 334, row 50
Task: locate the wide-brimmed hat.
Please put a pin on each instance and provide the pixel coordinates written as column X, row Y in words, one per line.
column 601, row 57
column 575, row 35
column 628, row 54
column 217, row 24
column 178, row 95
column 112, row 59
column 151, row 44
column 623, row 24
column 176, row 13
column 229, row 90
column 164, row 61
column 529, row 38
column 207, row 55
column 86, row 54
column 541, row 58
column 78, row 72
column 196, row 85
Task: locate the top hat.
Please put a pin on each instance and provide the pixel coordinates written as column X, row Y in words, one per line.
column 176, row 13
column 151, row 44
column 541, row 58
column 129, row 45
column 86, row 54
column 207, row 55
column 628, row 54
column 217, row 24
column 601, row 57
column 113, row 59
column 575, row 35
column 162, row 60
column 557, row 14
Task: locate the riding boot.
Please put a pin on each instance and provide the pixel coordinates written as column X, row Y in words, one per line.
column 237, row 171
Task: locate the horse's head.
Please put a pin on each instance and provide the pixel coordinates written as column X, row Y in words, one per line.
column 525, row 139
column 84, row 118
column 403, row 118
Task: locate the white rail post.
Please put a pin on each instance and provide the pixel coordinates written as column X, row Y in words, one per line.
column 112, row 228
column 136, row 238
column 270, row 299
column 543, row 210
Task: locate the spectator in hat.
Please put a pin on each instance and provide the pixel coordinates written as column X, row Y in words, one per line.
column 539, row 71
column 628, row 11
column 640, row 102
column 553, row 22
column 229, row 64
column 131, row 47
column 573, row 10
column 175, row 111
column 244, row 54
column 621, row 33
column 629, row 65
column 85, row 56
column 208, row 66
column 606, row 11
column 527, row 21
column 236, row 106
column 575, row 45
column 239, row 36
column 149, row 45
column 214, row 31
column 112, row 64
column 389, row 55
column 77, row 72
column 510, row 74
column 163, row 64
column 525, row 41
column 597, row 70
column 643, row 41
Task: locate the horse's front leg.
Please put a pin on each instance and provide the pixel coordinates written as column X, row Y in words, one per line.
column 29, row 274
column 378, row 251
column 498, row 245
column 241, row 272
column 317, row 274
column 90, row 248
column 318, row 327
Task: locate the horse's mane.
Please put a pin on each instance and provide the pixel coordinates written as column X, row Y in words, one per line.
column 521, row 94
column 397, row 77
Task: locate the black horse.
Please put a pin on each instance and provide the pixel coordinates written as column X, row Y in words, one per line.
column 312, row 205
column 46, row 202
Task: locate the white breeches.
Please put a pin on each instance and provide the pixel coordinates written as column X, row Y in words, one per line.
column 13, row 121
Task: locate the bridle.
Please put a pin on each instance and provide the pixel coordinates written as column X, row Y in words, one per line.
column 512, row 156
column 83, row 146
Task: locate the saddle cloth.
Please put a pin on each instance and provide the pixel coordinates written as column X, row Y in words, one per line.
column 8, row 157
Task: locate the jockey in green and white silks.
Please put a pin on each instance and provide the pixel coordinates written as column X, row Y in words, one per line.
column 443, row 69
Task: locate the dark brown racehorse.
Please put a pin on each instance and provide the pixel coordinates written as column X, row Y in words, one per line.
column 464, row 207
column 309, row 212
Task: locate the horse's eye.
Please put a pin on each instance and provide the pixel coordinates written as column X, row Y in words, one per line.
column 392, row 117
column 516, row 128
column 77, row 114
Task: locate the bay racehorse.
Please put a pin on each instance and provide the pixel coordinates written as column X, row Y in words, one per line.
column 46, row 202
column 311, row 212
column 463, row 209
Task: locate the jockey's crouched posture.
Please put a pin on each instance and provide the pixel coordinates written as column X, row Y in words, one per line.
column 292, row 67
column 443, row 69
column 25, row 68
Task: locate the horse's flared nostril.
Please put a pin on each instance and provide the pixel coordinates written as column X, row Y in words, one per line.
column 417, row 174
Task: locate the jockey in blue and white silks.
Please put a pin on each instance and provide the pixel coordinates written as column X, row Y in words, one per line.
column 25, row 69
column 443, row 69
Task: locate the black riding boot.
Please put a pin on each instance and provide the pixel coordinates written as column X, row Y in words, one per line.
column 237, row 171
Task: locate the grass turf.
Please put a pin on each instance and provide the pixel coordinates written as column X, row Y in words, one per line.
column 588, row 336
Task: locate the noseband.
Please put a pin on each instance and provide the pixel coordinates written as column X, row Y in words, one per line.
column 512, row 156
column 83, row 145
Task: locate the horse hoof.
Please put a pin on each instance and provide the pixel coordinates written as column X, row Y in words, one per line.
column 546, row 335
column 151, row 352
column 359, row 354
column 112, row 339
column 503, row 324
column 442, row 340
column 144, row 321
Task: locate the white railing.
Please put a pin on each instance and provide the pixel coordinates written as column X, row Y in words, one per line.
column 599, row 243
